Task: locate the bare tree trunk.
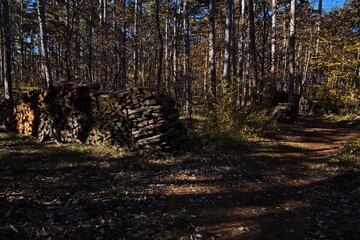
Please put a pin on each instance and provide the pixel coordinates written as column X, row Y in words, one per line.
column 103, row 69
column 304, row 72
column 357, row 82
column 166, row 57
column 242, row 83
column 262, row 85
column 292, row 52
column 175, row 52
column 7, row 48
column 273, row 43
column 102, row 14
column 1, row 51
column 32, row 58
column 252, row 49
column 90, row 49
column 22, row 45
column 212, row 60
column 187, row 64
column 318, row 25
column 77, row 48
column 234, row 44
column 43, row 45
column 284, row 82
column 161, row 42
column 228, row 34
column 69, row 33
column 205, row 74
column 123, row 61
column 136, row 39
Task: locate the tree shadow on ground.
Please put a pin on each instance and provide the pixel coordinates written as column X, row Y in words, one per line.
column 67, row 193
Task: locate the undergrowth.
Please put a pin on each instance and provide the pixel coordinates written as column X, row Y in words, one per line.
column 354, row 118
column 350, row 153
column 226, row 129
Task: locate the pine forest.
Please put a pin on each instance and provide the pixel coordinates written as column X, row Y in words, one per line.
column 180, row 119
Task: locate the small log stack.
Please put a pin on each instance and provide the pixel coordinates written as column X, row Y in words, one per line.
column 284, row 112
column 74, row 112
column 24, row 117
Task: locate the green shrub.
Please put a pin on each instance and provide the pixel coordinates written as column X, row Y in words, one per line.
column 226, row 128
column 350, row 153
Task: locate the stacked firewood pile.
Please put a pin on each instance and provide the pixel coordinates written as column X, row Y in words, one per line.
column 24, row 119
column 284, row 112
column 73, row 112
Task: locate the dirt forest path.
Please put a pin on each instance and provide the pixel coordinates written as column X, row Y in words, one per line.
column 295, row 190
column 285, row 187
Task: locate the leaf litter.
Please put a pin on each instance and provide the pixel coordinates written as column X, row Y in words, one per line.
column 271, row 192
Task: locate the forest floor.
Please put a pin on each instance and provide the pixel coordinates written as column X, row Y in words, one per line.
column 288, row 186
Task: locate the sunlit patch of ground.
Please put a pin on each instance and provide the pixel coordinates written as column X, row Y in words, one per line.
column 289, row 187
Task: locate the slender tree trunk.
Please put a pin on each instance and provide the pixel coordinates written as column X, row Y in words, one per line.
column 103, row 8
column 175, row 52
column 7, row 48
column 122, row 52
column 306, row 67
column 318, row 28
column 22, row 45
column 140, row 50
column 69, row 33
column 357, row 82
column 243, row 82
column 273, row 44
column 263, row 83
column 284, row 83
column 205, row 76
column 103, row 68
column 90, row 49
column 212, row 60
column 227, row 52
column 1, row 51
column 166, row 57
column 292, row 52
column 2, row 44
column 161, row 45
column 252, row 50
column 43, row 45
column 234, row 44
column 187, row 64
column 136, row 46
column 78, row 44
column 32, row 58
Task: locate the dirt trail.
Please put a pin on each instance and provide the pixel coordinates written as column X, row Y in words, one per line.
column 295, row 191
column 288, row 187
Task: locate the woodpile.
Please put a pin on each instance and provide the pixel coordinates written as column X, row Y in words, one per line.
column 73, row 112
column 24, row 118
column 284, row 112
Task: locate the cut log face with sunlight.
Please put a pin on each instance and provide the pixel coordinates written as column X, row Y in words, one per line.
column 179, row 120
